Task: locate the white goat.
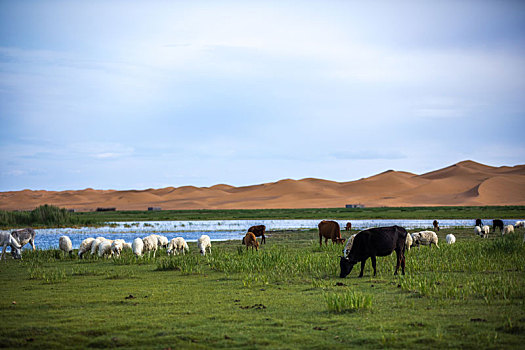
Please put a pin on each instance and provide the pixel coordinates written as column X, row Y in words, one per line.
column 204, row 242
column 507, row 229
column 137, row 246
column 64, row 243
column 451, row 239
column 425, row 238
column 85, row 246
column 178, row 245
column 5, row 240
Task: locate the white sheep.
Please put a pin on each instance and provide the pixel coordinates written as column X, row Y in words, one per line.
column 204, row 242
column 64, row 243
column 519, row 224
column 104, row 248
column 117, row 246
column 85, row 246
column 409, row 241
column 95, row 244
column 348, row 245
column 150, row 244
column 425, row 238
column 126, row 246
column 178, row 245
column 486, row 230
column 162, row 241
column 507, row 229
column 137, row 246
column 477, row 231
column 451, row 239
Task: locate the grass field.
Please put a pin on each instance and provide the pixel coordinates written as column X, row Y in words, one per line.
column 286, row 296
column 493, row 212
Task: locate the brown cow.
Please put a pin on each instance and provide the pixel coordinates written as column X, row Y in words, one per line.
column 436, row 225
column 329, row 229
column 251, row 241
column 258, row 231
column 348, row 226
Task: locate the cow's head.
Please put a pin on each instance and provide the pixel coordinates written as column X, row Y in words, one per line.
column 346, row 267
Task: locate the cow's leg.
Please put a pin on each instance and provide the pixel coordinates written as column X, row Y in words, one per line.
column 263, row 239
column 320, row 240
column 403, row 263
column 398, row 256
column 362, row 268
column 373, row 258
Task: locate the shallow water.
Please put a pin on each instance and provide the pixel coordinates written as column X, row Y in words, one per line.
column 218, row 230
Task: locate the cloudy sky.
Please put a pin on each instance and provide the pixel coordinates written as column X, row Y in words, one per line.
column 149, row 94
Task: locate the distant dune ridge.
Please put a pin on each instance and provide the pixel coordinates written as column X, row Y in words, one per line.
column 465, row 183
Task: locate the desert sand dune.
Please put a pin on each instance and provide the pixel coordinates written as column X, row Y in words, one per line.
column 465, row 183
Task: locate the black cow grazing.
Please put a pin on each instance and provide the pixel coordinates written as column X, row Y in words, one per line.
column 435, row 223
column 378, row 241
column 497, row 223
column 479, row 223
column 258, row 231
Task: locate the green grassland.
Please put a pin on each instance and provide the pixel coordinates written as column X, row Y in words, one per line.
column 492, row 212
column 285, row 296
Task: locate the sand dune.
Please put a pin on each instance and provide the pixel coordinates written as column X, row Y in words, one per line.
column 465, row 183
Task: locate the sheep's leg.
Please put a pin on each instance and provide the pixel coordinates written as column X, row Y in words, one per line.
column 373, row 258
column 362, row 267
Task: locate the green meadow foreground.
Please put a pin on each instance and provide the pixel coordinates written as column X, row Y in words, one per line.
column 285, row 296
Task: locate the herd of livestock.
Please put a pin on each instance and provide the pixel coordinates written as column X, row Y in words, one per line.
column 369, row 243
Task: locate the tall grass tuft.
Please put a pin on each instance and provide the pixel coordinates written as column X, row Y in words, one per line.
column 349, row 301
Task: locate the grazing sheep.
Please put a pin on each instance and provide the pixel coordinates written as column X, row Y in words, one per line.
column 425, row 238
column 451, row 239
column 348, row 245
column 178, row 245
column 204, row 242
column 104, row 248
column 251, row 241
column 507, row 229
column 7, row 239
column 477, row 231
column 137, row 246
column 151, row 243
column 519, row 224
column 409, row 241
column 126, row 246
column 95, row 244
column 64, row 243
column 85, row 246
column 162, row 241
column 117, row 246
column 486, row 230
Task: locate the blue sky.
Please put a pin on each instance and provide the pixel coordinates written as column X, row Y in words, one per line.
column 149, row 94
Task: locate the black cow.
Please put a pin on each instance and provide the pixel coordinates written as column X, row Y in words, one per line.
column 497, row 223
column 479, row 223
column 378, row 241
